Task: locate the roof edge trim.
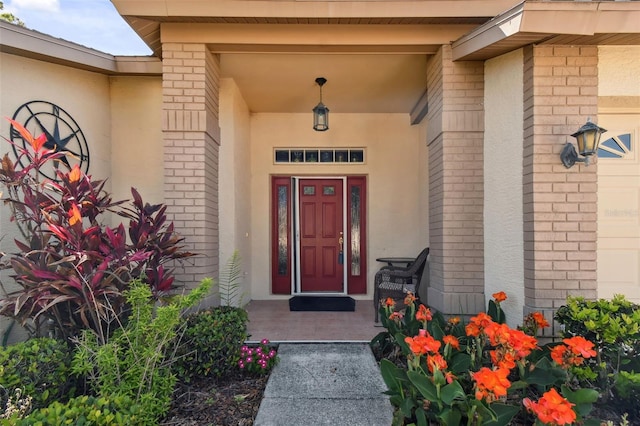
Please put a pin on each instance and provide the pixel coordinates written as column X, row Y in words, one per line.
column 17, row 40
column 539, row 20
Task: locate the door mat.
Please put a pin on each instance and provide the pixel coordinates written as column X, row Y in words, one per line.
column 322, row 303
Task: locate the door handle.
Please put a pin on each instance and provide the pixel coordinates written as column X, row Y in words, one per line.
column 341, row 241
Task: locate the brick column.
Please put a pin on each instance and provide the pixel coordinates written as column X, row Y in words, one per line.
column 560, row 205
column 191, row 133
column 455, row 138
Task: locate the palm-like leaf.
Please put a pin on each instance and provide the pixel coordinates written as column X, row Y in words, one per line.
column 230, row 282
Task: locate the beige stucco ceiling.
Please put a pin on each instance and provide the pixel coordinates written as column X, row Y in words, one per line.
column 372, row 53
column 355, row 83
column 369, row 68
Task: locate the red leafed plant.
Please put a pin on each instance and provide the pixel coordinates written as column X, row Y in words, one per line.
column 70, row 269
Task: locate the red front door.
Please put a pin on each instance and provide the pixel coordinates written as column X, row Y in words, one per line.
column 321, row 235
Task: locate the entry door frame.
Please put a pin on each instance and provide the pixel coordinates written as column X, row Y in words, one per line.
column 282, row 233
column 296, row 276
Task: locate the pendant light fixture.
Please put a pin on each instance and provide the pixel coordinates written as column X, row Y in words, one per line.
column 320, row 111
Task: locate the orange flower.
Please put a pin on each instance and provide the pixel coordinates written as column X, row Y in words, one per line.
column 503, row 359
column 396, row 316
column 534, row 322
column 473, row 330
column 497, row 333
column 511, row 345
column 478, row 323
column 423, row 314
column 409, row 299
column 540, row 320
column 552, row 409
column 451, row 340
column 521, row 343
column 436, row 362
column 491, row 384
column 74, row 215
column 422, row 343
column 389, row 303
column 580, row 346
column 75, row 174
column 500, row 296
column 558, row 353
column 482, row 319
column 454, row 320
column 574, row 352
column 449, row 377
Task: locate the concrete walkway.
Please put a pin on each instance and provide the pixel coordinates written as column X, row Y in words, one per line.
column 325, row 384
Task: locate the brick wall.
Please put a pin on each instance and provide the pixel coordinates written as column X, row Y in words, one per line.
column 455, row 138
column 560, row 205
column 191, row 143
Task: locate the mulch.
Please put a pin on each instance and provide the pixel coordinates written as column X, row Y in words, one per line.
column 230, row 401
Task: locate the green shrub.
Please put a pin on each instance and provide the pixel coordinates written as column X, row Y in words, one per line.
column 136, row 362
column 628, row 386
column 614, row 326
column 210, row 345
column 87, row 410
column 40, row 367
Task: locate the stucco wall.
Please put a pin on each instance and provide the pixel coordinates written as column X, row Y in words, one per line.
column 84, row 95
column 136, row 129
column 235, row 184
column 396, row 197
column 503, row 237
column 619, row 178
column 618, row 71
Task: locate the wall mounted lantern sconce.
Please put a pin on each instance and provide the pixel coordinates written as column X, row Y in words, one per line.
column 320, row 111
column 588, row 138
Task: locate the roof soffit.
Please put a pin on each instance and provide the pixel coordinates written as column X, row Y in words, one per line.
column 146, row 16
column 556, row 22
column 315, row 38
column 296, row 9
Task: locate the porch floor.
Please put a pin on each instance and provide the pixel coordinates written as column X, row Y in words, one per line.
column 271, row 319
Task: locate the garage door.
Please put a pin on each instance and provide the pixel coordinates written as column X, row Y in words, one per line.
column 619, row 207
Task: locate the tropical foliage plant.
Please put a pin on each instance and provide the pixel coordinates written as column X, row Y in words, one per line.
column 479, row 373
column 70, row 269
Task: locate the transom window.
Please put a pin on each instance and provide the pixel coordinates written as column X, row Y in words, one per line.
column 319, row 155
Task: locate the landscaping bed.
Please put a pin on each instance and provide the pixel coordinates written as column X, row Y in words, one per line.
column 233, row 400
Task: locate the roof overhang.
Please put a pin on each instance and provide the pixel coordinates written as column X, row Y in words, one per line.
column 17, row 40
column 552, row 22
column 149, row 18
